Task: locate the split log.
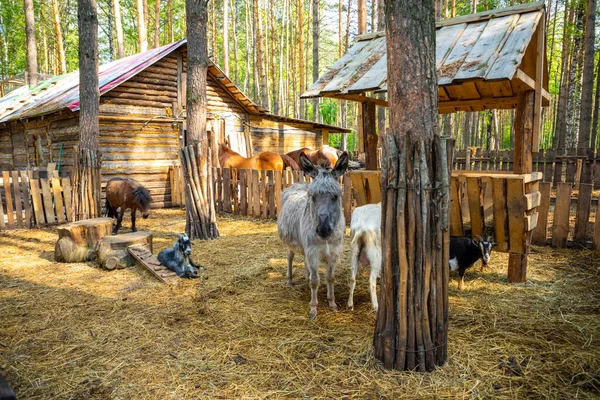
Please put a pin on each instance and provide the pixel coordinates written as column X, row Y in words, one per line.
column 77, row 240
column 112, row 250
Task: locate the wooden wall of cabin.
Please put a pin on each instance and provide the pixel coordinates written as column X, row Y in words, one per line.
column 282, row 137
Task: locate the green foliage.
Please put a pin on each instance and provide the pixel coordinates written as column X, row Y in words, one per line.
column 329, row 111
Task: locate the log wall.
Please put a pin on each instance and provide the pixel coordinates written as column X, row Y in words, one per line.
column 282, row 137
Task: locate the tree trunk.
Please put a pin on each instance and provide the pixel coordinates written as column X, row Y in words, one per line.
column 42, row 29
column 300, row 11
column 62, row 61
column 260, row 55
column 170, row 21
column 474, row 10
column 381, row 110
column 157, row 24
column 596, row 108
column 87, row 178
column 574, row 80
column 200, row 215
column 226, row 37
column 118, row 29
column 142, row 38
column 317, row 114
column 362, row 17
column 561, row 114
column 235, row 42
column 109, row 31
column 30, row 47
column 587, row 88
column 412, row 320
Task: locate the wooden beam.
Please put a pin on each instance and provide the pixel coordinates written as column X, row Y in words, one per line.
column 358, row 98
column 539, row 79
column 369, row 123
column 485, row 101
column 524, row 82
column 523, row 141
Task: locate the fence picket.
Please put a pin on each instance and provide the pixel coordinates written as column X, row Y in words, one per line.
column 500, row 213
column 226, row 174
column 278, row 188
column 47, row 196
column 255, row 193
column 18, row 203
column 26, row 198
column 7, row 195
column 243, row 190
column 584, row 205
column 560, row 227
column 58, row 201
column 540, row 233
column 66, row 185
column 456, row 225
column 264, row 194
column 475, row 208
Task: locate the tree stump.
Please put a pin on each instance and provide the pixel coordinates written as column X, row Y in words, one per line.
column 112, row 250
column 77, row 240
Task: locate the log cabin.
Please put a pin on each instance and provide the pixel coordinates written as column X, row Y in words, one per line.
column 142, row 120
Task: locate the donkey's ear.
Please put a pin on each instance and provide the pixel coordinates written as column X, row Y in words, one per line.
column 341, row 165
column 307, row 166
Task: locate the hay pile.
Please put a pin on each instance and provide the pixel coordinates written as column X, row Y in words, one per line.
column 70, row 331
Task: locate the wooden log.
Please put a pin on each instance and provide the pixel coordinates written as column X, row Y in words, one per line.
column 77, row 240
column 560, row 227
column 500, row 214
column 517, row 268
column 540, row 233
column 584, row 206
column 515, row 200
column 112, row 250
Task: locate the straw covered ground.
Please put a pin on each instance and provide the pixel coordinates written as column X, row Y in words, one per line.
column 71, row 331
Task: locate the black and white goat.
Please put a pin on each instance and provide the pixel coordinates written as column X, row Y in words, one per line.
column 178, row 258
column 464, row 252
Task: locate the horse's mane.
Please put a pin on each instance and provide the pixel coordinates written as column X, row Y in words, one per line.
column 142, row 197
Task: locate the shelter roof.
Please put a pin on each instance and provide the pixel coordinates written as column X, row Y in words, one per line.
column 483, row 60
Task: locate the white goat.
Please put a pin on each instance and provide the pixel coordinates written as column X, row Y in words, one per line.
column 365, row 233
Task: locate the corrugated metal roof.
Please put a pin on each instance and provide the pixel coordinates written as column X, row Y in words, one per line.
column 484, row 47
column 62, row 92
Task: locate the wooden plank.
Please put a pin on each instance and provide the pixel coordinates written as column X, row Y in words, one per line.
column 47, row 196
column 532, row 200
column 515, row 200
column 560, row 228
column 235, row 192
column 584, row 206
column 66, row 185
column 26, row 198
column 374, row 183
column 277, row 190
column 526, row 177
column 255, row 193
column 372, row 79
column 2, row 223
column 8, row 196
column 446, row 38
column 531, row 221
column 514, row 48
column 347, row 197
column 358, row 188
column 264, row 195
column 271, row 194
column 500, row 214
column 226, row 190
column 243, row 192
column 486, row 50
column 460, row 51
column 17, row 197
column 456, row 225
column 475, row 206
column 523, row 161
column 540, row 233
column 36, row 199
column 58, row 201
column 219, row 191
column 152, row 265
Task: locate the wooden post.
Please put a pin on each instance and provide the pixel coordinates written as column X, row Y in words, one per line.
column 369, row 124
column 523, row 164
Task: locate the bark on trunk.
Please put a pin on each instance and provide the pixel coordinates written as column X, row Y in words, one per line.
column 142, row 37
column 62, row 61
column 157, row 24
column 119, row 29
column 362, row 17
column 170, row 21
column 381, row 110
column 300, row 12
column 587, row 87
column 561, row 114
column 87, row 178
column 596, row 108
column 200, row 216
column 31, row 47
column 412, row 321
column 260, row 55
column 226, row 37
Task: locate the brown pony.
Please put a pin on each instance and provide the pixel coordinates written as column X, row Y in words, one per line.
column 265, row 160
column 126, row 193
column 326, row 156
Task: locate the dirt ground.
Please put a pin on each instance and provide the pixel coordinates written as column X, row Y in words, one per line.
column 72, row 331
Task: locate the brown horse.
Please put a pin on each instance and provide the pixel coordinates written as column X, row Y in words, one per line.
column 265, row 160
column 326, row 156
column 126, row 193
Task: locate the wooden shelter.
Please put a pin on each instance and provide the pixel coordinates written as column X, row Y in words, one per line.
column 142, row 120
column 490, row 60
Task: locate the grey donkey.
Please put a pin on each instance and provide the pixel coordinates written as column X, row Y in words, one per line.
column 311, row 222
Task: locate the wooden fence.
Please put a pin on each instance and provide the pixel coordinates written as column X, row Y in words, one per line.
column 34, row 198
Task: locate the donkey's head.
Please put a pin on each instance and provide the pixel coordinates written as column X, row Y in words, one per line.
column 324, row 193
